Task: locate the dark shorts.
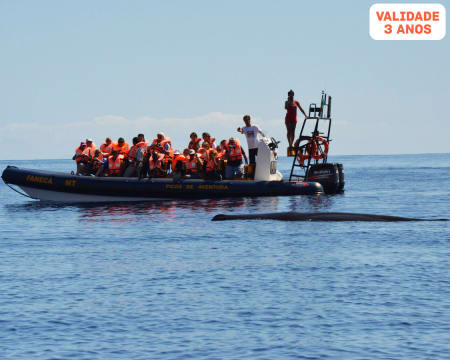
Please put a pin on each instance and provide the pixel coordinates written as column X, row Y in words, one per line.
column 252, row 153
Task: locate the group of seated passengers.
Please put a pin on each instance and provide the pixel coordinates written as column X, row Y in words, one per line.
column 159, row 159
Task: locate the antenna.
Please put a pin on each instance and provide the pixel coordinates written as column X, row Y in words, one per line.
column 329, row 107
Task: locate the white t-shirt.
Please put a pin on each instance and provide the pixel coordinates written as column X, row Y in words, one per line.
column 251, row 133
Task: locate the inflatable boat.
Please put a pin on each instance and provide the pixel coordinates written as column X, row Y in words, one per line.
column 310, row 174
column 63, row 187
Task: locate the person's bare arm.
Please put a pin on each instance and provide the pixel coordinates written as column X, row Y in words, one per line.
column 260, row 131
column 245, row 156
column 300, row 107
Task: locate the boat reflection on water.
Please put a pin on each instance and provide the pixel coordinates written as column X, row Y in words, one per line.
column 176, row 210
column 311, row 203
column 172, row 210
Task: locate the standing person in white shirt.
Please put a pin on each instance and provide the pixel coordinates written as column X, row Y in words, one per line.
column 251, row 133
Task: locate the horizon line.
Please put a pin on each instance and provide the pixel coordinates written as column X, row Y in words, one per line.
column 280, row 156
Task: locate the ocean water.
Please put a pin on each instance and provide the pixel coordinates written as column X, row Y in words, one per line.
column 161, row 281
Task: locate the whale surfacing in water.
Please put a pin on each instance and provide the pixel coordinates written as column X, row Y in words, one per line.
column 324, row 216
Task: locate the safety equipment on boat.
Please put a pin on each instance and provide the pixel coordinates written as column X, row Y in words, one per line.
column 303, row 155
column 114, row 165
column 122, row 148
column 81, row 154
column 194, row 144
column 176, row 159
column 312, row 149
column 97, row 162
column 142, row 144
column 320, row 141
column 203, row 153
column 163, row 145
column 132, row 153
column 234, row 150
column 210, row 142
column 106, row 148
column 191, row 165
column 210, row 165
column 156, row 161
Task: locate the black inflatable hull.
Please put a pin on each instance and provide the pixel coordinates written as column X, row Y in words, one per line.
column 62, row 187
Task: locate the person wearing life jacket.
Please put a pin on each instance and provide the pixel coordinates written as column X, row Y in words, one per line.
column 290, row 119
column 210, row 170
column 234, row 155
column 122, row 147
column 209, row 140
column 156, row 164
column 142, row 156
column 178, row 167
column 132, row 166
column 107, row 147
column 203, row 151
column 220, row 160
column 115, row 163
column 194, row 144
column 96, row 162
column 193, row 165
column 142, row 141
column 162, row 143
column 82, row 159
column 90, row 146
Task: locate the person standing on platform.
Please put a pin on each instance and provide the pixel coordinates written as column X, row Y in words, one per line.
column 251, row 133
column 290, row 119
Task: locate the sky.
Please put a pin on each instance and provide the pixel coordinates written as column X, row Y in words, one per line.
column 76, row 69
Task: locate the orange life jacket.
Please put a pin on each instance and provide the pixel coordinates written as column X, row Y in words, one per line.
column 203, row 153
column 194, row 144
column 210, row 142
column 235, row 152
column 91, row 149
column 114, row 166
column 105, row 148
column 142, row 144
column 123, row 150
column 220, row 155
column 132, row 152
column 210, row 165
column 176, row 159
column 97, row 161
column 81, row 155
column 191, row 165
column 156, row 164
column 160, row 145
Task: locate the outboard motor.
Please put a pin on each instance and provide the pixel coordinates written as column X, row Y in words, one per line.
column 266, row 161
column 329, row 175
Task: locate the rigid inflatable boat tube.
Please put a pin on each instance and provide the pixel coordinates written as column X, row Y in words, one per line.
column 325, row 216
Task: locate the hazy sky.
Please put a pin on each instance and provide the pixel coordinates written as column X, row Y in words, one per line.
column 76, row 69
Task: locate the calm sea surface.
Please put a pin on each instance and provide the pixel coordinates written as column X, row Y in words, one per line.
column 161, row 281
